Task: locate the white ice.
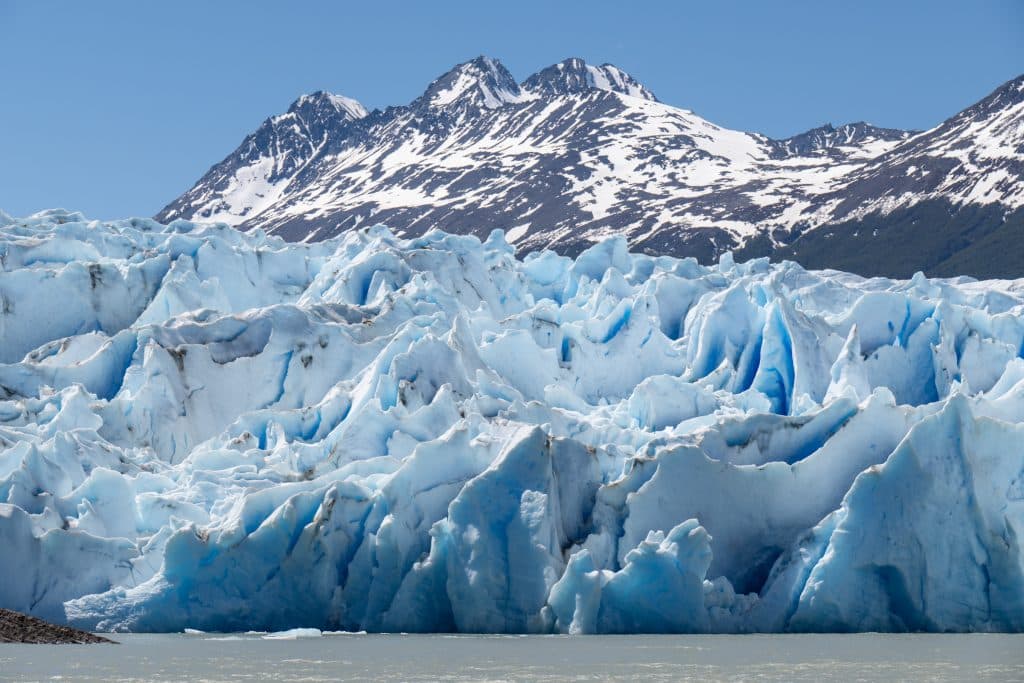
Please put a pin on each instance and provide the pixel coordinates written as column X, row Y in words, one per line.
column 212, row 430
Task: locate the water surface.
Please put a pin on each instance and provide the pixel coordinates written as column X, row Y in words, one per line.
column 213, row 657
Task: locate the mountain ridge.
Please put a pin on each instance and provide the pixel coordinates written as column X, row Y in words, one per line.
column 574, row 152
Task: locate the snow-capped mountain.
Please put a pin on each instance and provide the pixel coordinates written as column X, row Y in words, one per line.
column 950, row 200
column 976, row 156
column 576, row 152
column 253, row 178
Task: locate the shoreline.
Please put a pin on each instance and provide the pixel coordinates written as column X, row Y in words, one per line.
column 16, row 627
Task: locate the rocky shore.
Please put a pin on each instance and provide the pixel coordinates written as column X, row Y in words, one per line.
column 21, row 628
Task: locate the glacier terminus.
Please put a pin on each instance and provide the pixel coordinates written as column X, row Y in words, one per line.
column 212, row 429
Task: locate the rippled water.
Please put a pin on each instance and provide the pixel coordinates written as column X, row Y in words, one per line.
column 210, row 657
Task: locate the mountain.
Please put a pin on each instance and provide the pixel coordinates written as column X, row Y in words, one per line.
column 954, row 195
column 576, row 152
column 253, row 177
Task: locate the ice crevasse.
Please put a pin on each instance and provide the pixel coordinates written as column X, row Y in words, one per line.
column 219, row 430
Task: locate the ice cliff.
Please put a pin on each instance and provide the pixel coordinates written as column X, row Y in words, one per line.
column 210, row 429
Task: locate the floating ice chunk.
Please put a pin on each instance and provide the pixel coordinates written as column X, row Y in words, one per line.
column 294, row 634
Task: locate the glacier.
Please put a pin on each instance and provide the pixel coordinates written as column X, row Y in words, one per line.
column 208, row 429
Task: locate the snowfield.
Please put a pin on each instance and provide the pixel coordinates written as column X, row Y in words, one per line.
column 203, row 428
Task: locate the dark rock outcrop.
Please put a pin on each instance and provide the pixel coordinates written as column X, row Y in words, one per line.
column 21, row 628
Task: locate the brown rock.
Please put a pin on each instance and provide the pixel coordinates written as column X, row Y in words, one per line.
column 21, row 628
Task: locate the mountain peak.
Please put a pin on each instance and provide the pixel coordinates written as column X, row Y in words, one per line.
column 1009, row 95
column 826, row 137
column 572, row 76
column 1011, row 92
column 322, row 101
column 483, row 81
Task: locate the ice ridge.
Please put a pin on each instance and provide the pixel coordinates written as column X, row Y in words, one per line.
column 203, row 428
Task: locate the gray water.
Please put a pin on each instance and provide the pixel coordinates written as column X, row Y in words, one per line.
column 209, row 657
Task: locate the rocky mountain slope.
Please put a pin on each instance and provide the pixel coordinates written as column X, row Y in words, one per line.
column 577, row 152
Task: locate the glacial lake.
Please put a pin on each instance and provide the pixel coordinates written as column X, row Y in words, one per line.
column 214, row 657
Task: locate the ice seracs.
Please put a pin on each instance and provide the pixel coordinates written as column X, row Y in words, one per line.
column 208, row 429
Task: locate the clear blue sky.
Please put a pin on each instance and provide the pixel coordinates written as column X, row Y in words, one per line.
column 115, row 108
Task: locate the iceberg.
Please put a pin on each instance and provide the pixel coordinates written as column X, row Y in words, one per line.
column 221, row 431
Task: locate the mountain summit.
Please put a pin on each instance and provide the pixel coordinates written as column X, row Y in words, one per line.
column 483, row 82
column 576, row 152
column 574, row 76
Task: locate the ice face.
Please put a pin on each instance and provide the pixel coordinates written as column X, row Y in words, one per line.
column 209, row 429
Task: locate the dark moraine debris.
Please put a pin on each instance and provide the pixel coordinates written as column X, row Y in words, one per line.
column 21, row 628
